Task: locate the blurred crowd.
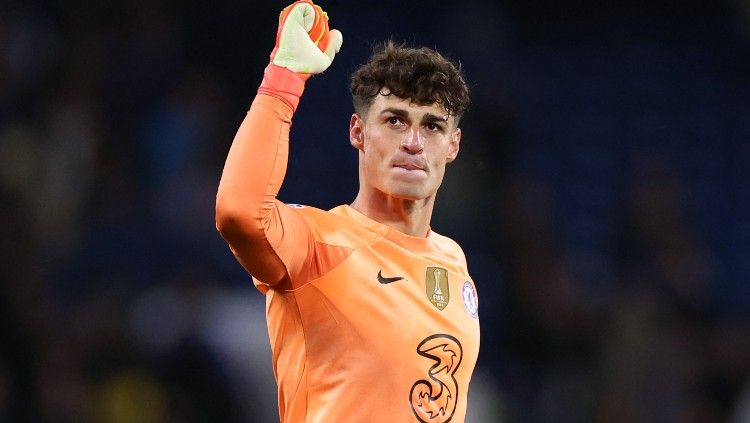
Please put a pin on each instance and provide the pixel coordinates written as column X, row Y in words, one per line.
column 600, row 196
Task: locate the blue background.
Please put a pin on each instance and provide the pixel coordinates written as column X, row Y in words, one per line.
column 601, row 197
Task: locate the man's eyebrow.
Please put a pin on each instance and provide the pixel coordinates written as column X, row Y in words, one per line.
column 394, row 111
column 430, row 118
column 427, row 118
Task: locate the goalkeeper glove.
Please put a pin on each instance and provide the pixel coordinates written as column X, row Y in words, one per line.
column 304, row 46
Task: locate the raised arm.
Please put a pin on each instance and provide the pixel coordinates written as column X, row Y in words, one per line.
column 269, row 239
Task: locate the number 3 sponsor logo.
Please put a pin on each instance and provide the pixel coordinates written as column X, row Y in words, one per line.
column 433, row 400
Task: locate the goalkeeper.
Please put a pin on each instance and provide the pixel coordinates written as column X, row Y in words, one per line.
column 372, row 315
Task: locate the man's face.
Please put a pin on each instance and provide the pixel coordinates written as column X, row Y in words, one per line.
column 404, row 147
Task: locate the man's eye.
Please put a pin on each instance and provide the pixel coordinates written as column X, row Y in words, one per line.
column 433, row 127
column 394, row 120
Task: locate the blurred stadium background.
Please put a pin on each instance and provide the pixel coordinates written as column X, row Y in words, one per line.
column 602, row 197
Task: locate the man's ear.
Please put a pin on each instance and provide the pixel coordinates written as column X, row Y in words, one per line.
column 357, row 132
column 453, row 145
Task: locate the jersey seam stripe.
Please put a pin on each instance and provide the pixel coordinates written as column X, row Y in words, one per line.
column 265, row 215
column 303, row 377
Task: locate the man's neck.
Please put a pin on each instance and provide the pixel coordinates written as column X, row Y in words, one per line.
column 411, row 217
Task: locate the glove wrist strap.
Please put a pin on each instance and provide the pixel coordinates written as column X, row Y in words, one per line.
column 282, row 83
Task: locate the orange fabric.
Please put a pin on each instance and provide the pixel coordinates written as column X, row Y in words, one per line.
column 366, row 324
column 284, row 84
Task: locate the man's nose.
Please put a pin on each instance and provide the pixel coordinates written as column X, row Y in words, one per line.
column 413, row 142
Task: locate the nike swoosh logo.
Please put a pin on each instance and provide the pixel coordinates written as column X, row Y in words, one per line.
column 385, row 280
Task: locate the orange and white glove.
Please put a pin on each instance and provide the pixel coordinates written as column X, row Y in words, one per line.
column 304, row 46
column 304, row 43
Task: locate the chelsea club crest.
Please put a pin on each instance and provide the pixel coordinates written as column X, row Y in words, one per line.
column 471, row 303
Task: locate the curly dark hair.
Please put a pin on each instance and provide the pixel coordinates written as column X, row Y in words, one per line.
column 421, row 75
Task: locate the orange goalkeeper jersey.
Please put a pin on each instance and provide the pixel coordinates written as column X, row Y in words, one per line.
column 367, row 324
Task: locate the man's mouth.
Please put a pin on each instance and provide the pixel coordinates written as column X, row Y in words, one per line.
column 410, row 165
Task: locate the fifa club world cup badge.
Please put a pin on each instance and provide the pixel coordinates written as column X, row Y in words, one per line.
column 436, row 282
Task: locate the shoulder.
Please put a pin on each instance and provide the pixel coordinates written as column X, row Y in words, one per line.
column 332, row 227
column 316, row 218
column 314, row 215
column 448, row 246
